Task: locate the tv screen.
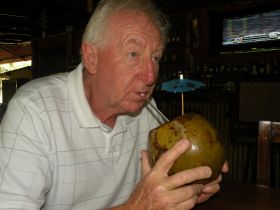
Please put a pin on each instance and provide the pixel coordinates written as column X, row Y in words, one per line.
column 249, row 29
column 245, row 30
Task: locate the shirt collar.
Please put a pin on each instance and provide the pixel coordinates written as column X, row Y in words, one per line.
column 79, row 103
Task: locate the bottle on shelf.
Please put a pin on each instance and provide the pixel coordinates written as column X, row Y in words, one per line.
column 268, row 67
column 262, row 67
column 275, row 68
column 244, row 67
column 254, row 70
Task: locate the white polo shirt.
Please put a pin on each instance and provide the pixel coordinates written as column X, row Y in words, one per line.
column 56, row 155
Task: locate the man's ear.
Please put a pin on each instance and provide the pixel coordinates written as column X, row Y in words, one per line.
column 89, row 53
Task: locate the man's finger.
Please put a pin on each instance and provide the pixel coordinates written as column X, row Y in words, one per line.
column 225, row 167
column 184, row 193
column 166, row 161
column 188, row 176
column 145, row 164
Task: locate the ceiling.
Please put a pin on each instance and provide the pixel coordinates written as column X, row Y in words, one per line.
column 22, row 21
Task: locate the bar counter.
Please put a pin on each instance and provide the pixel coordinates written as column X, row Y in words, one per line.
column 242, row 196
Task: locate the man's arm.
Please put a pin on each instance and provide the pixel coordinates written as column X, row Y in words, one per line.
column 24, row 158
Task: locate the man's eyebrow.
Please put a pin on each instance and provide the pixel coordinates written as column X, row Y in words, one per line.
column 159, row 50
column 135, row 40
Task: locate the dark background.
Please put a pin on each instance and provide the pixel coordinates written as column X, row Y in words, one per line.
column 241, row 86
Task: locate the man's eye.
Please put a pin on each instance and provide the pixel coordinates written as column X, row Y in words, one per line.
column 156, row 59
column 132, row 54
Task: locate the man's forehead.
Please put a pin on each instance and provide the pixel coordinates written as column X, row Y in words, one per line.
column 130, row 19
column 130, row 22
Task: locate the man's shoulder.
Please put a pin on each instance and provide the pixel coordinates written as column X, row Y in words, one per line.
column 50, row 80
column 44, row 85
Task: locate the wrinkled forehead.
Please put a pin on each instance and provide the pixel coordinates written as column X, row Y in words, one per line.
column 128, row 22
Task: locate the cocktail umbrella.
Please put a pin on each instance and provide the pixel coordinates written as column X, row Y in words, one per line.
column 181, row 85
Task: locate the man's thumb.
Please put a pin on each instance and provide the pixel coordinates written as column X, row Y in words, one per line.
column 145, row 164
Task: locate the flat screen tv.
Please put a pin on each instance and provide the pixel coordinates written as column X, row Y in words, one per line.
column 247, row 30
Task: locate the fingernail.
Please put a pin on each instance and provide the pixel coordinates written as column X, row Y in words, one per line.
column 184, row 142
column 208, row 171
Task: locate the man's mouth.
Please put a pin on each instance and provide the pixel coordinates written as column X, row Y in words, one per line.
column 143, row 95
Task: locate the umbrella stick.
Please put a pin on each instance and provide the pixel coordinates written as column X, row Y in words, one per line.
column 183, row 106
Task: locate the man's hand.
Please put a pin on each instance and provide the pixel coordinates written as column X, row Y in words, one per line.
column 213, row 187
column 157, row 190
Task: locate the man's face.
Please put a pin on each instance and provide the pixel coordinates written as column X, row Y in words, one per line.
column 128, row 62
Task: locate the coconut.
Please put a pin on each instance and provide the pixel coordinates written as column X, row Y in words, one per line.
column 206, row 148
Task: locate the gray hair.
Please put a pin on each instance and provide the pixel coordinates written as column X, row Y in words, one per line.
column 96, row 26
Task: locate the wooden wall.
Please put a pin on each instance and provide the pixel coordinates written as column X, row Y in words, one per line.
column 241, row 152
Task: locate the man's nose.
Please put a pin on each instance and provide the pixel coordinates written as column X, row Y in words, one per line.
column 149, row 72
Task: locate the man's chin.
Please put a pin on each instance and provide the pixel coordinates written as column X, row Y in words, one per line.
column 135, row 108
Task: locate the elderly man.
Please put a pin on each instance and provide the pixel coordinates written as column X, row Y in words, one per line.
column 74, row 140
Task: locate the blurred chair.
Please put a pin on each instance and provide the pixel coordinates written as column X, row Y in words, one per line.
column 269, row 132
